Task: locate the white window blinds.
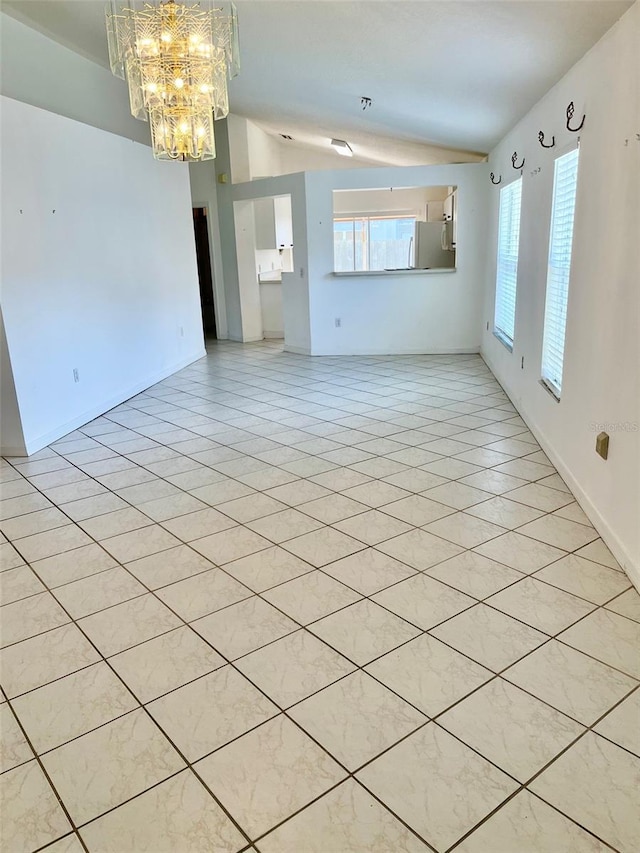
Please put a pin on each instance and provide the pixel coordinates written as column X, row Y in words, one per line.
column 507, row 272
column 555, row 313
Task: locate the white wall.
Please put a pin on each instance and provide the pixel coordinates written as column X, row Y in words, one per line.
column 298, row 158
column 106, row 284
column 10, row 423
column 271, row 304
column 41, row 72
column 295, row 285
column 404, row 313
column 247, row 278
column 410, row 200
column 601, row 382
column 434, row 312
column 246, row 155
column 256, row 154
column 224, row 246
column 238, row 138
column 264, row 152
column 295, row 311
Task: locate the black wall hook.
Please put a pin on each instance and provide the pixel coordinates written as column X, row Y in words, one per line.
column 541, row 140
column 570, row 111
column 514, row 157
column 499, row 181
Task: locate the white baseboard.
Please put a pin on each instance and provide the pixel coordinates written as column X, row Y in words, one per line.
column 250, row 340
column 364, row 351
column 609, row 537
column 32, row 445
column 12, row 451
column 297, row 350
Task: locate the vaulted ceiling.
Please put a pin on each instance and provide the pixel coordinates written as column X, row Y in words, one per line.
column 438, row 72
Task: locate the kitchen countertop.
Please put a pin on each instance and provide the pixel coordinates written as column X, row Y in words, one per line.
column 436, row 270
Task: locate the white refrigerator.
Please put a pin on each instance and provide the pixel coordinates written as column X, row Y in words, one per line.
column 430, row 237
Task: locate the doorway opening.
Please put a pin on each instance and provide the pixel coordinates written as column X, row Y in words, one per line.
column 203, row 257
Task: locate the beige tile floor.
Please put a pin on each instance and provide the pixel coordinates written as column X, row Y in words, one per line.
column 336, row 605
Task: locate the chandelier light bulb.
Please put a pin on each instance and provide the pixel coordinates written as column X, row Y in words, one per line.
column 176, row 57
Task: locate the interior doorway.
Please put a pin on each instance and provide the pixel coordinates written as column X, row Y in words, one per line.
column 203, row 256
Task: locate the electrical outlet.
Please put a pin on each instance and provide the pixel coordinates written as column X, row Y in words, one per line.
column 602, row 444
column 338, row 322
column 76, row 375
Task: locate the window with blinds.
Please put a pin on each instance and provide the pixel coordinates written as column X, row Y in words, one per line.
column 565, row 182
column 507, row 267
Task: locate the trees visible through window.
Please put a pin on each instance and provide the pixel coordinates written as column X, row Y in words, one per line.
column 373, row 242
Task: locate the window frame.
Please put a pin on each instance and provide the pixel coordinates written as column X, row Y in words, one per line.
column 503, row 334
column 366, row 219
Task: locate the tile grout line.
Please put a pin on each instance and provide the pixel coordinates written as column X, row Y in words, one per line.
column 363, row 597
column 188, row 763
column 44, row 771
column 284, row 712
column 320, row 569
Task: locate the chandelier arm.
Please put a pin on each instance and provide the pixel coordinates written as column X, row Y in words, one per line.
column 176, row 57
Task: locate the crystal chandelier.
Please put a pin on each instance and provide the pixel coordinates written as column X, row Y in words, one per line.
column 176, row 58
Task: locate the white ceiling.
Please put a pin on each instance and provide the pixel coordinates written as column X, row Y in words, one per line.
column 439, row 72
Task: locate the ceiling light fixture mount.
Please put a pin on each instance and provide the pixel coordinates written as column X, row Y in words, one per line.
column 365, row 103
column 176, row 57
column 342, row 147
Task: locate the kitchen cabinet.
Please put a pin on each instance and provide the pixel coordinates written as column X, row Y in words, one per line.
column 265, row 223
column 283, row 221
column 451, row 214
column 450, row 207
column 273, row 224
column 435, row 211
